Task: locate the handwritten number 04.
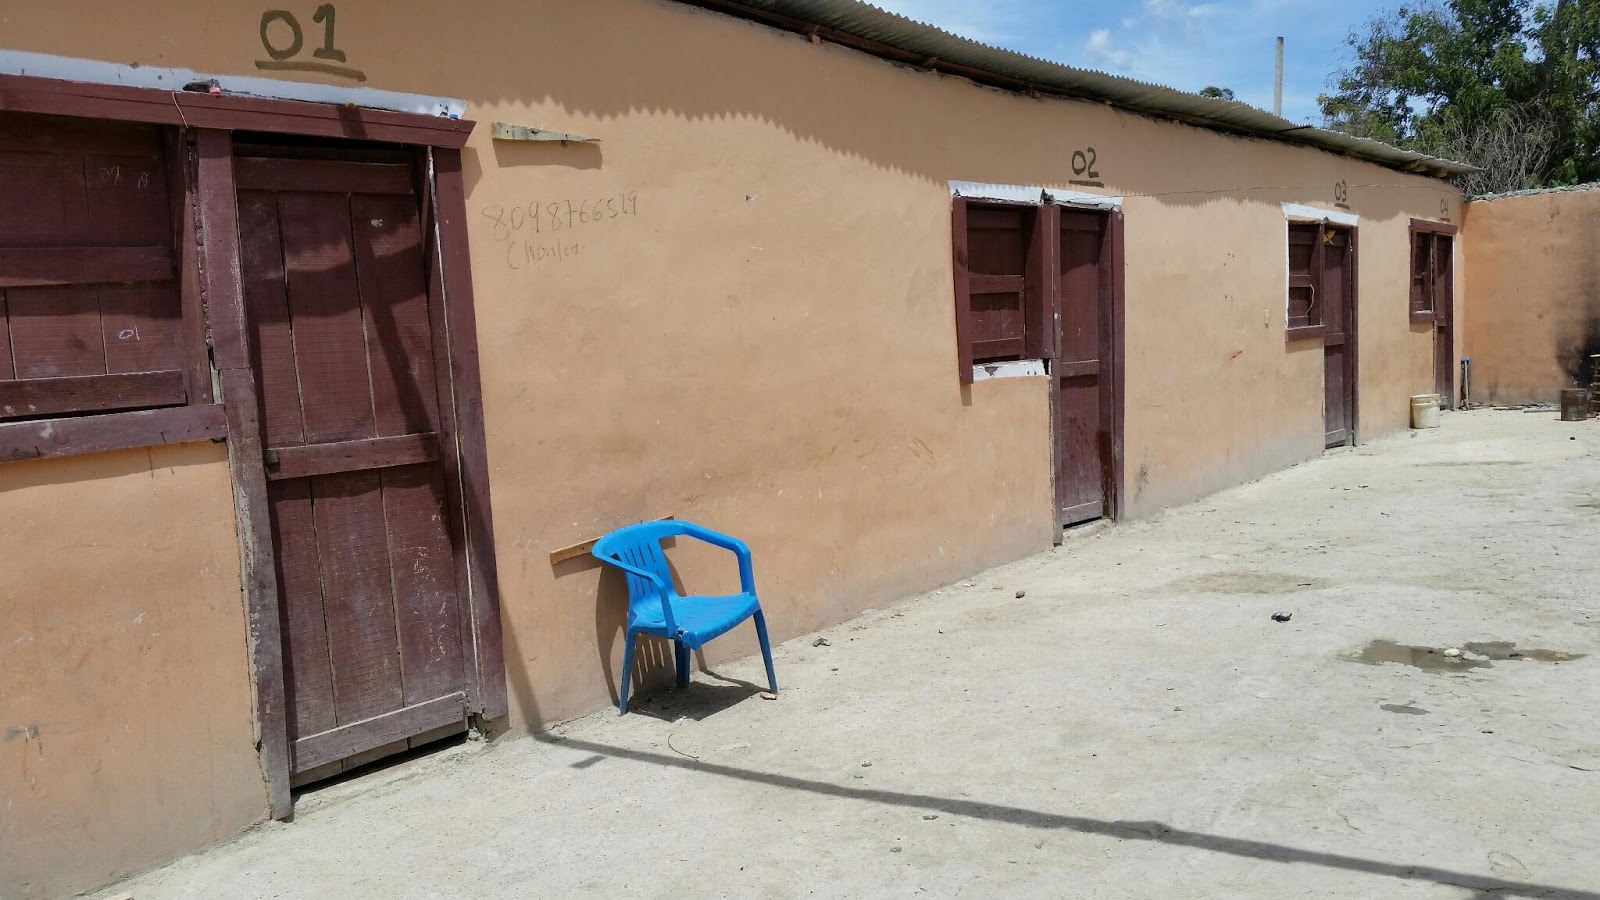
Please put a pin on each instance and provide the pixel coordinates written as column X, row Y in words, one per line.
column 323, row 16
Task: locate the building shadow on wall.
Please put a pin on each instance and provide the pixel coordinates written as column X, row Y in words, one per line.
column 546, row 154
column 1151, row 831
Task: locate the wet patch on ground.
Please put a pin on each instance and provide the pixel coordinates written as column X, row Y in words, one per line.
column 1478, row 655
column 1508, row 650
column 1245, row 583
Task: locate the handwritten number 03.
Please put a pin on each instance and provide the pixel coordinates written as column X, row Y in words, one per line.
column 1083, row 162
column 324, row 16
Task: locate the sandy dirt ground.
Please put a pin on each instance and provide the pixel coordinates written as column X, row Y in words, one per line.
column 1135, row 726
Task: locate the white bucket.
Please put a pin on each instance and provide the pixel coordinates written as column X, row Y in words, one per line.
column 1425, row 411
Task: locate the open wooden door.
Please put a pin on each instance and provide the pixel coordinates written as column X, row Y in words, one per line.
column 346, row 351
column 1339, row 341
column 1444, row 311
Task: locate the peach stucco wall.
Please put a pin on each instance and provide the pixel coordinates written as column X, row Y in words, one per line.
column 764, row 341
column 126, row 732
column 1533, row 282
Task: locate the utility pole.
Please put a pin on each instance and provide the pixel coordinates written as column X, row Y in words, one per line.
column 1277, row 83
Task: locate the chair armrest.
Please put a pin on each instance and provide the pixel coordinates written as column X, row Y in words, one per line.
column 747, row 577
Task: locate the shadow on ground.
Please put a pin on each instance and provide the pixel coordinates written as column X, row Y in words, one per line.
column 1159, row 832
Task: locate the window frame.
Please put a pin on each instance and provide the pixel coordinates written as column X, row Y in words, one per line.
column 1307, row 329
column 1423, row 303
column 1037, row 334
column 179, row 381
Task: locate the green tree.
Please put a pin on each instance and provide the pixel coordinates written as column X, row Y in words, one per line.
column 1510, row 85
column 1221, row 93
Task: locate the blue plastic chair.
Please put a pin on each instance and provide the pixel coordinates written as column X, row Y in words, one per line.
column 657, row 609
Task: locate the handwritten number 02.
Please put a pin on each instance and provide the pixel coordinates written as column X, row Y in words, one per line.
column 324, row 16
column 1083, row 162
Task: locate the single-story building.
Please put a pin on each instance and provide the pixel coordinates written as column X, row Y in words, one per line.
column 332, row 333
column 1533, row 284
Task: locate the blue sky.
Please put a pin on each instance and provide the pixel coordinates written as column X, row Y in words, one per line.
column 1186, row 44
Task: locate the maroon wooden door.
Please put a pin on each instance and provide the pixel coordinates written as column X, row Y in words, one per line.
column 374, row 618
column 1444, row 340
column 1338, row 318
column 1082, row 371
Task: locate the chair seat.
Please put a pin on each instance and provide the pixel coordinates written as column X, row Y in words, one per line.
column 699, row 619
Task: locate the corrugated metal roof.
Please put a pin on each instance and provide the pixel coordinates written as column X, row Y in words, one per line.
column 868, row 22
column 1534, row 192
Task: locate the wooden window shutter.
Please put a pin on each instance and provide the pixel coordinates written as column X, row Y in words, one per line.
column 1422, row 262
column 1038, row 308
column 1441, row 270
column 963, row 289
column 89, row 292
column 1305, row 268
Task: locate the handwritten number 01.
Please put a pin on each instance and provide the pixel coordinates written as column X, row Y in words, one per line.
column 324, row 16
column 1083, row 163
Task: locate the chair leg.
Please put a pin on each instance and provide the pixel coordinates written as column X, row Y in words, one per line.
column 680, row 658
column 766, row 649
column 626, row 677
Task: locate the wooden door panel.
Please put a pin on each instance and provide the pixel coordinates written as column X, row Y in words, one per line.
column 7, row 372
column 1335, row 298
column 329, row 339
column 1082, row 426
column 392, row 271
column 336, row 290
column 266, row 301
column 423, row 568
column 1444, row 362
column 358, row 597
column 1079, row 463
column 308, row 671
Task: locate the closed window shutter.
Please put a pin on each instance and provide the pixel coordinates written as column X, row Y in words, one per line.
column 1442, row 282
column 1422, row 300
column 89, row 297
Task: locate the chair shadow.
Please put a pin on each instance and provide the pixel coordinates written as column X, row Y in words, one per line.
column 697, row 700
column 653, row 666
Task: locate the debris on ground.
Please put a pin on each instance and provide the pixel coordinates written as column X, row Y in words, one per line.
column 820, row 642
column 1021, row 594
column 1281, row 616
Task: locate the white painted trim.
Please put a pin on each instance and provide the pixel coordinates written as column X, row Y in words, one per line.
column 1021, row 368
column 1296, row 212
column 1008, row 193
column 1081, row 199
column 45, row 65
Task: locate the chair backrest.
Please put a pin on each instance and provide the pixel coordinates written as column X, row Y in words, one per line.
column 640, row 546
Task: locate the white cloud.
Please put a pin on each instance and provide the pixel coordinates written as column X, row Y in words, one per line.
column 1099, row 50
column 1178, row 10
column 998, row 22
